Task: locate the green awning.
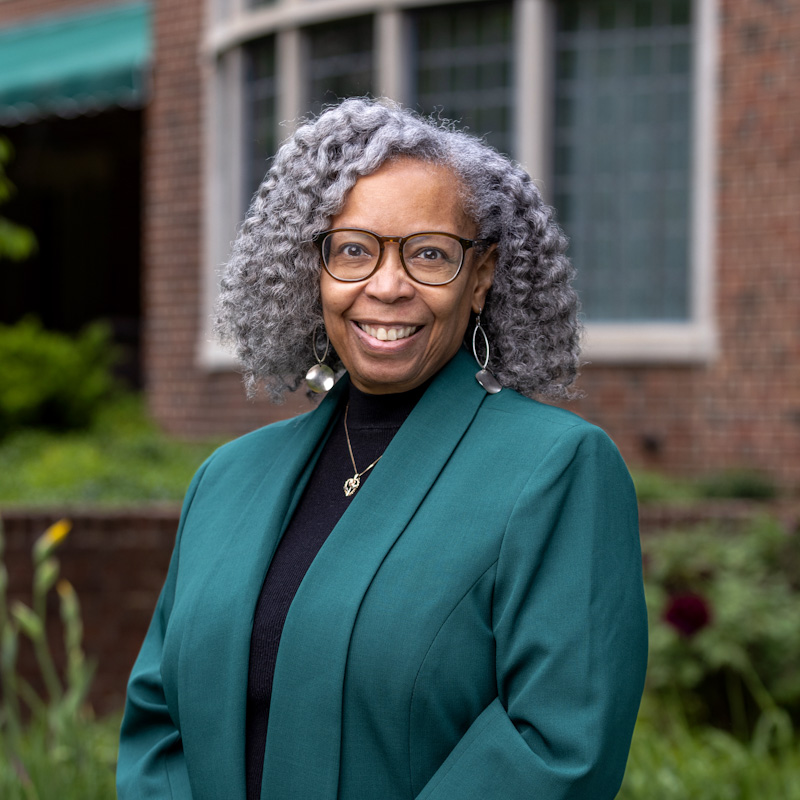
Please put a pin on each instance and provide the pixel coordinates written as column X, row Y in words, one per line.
column 76, row 63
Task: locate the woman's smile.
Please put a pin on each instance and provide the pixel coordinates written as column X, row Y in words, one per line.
column 388, row 332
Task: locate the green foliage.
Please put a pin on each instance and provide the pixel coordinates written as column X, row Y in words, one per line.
column 671, row 760
column 61, row 751
column 725, row 625
column 16, row 242
column 653, row 487
column 745, row 484
column 80, row 767
column 50, row 379
column 121, row 459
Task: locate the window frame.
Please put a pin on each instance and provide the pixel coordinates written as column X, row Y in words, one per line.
column 231, row 25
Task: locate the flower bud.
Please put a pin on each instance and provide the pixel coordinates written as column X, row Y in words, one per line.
column 688, row 613
column 50, row 539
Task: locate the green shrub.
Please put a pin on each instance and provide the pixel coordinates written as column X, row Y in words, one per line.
column 739, row 483
column 670, row 760
column 725, row 625
column 122, row 459
column 16, row 241
column 50, row 379
column 81, row 767
column 654, row 487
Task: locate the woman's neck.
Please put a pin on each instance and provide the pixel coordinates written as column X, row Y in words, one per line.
column 381, row 410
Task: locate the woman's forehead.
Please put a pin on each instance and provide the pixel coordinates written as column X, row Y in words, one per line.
column 406, row 191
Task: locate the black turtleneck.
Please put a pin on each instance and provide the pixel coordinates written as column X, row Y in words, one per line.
column 372, row 422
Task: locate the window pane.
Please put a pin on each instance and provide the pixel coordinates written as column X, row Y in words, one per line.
column 622, row 149
column 340, row 61
column 260, row 122
column 463, row 57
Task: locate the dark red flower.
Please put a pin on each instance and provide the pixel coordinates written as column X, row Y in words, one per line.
column 688, row 613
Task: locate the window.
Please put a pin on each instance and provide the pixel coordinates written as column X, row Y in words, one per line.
column 463, row 60
column 339, row 61
column 261, row 91
column 609, row 102
column 622, row 156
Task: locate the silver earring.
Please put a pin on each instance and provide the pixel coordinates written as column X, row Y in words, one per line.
column 483, row 376
column 320, row 377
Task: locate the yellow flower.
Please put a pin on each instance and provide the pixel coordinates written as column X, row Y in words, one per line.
column 50, row 539
column 57, row 532
column 64, row 588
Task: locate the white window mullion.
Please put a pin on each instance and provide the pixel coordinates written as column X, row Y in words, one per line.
column 533, row 88
column 391, row 47
column 291, row 79
column 704, row 164
column 223, row 188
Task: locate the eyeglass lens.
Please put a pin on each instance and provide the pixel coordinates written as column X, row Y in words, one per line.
column 429, row 257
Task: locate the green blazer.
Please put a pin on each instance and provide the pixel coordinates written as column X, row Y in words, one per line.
column 474, row 627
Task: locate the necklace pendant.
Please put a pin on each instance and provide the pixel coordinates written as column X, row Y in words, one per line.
column 351, row 486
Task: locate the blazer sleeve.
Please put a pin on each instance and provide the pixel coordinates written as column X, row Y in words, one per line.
column 570, row 629
column 151, row 763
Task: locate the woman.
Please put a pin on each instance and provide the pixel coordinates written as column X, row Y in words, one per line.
column 426, row 587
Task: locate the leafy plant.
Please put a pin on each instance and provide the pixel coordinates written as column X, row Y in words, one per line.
column 671, row 760
column 80, row 768
column 654, row 487
column 725, row 626
column 57, row 735
column 16, row 241
column 41, row 468
column 50, row 379
column 742, row 483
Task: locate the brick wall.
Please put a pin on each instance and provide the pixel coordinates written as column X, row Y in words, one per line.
column 117, row 562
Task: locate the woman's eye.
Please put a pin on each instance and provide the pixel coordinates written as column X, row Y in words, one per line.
column 352, row 251
column 428, row 254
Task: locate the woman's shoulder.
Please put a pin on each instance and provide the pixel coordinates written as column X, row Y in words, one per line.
column 540, row 427
column 528, row 414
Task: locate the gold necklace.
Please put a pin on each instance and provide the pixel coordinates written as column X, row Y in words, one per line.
column 351, row 484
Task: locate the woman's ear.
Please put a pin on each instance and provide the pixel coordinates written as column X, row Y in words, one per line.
column 484, row 275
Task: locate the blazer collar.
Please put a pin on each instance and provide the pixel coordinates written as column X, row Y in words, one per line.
column 213, row 694
column 304, row 735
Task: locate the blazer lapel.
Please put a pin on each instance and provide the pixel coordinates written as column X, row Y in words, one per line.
column 213, row 702
column 304, row 735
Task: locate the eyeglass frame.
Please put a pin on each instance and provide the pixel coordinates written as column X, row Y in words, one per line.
column 466, row 244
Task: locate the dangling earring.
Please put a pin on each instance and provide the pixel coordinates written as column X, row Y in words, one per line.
column 483, row 376
column 320, row 377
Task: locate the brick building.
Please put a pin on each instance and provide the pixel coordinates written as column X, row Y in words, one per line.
column 664, row 131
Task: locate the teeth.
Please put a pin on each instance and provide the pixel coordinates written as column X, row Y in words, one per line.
column 388, row 334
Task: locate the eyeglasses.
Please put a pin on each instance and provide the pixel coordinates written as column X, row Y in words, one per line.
column 429, row 257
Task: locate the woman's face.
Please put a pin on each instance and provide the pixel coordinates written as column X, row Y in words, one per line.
column 403, row 197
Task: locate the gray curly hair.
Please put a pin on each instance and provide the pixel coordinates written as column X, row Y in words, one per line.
column 270, row 306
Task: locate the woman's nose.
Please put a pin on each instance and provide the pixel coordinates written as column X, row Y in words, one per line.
column 390, row 282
